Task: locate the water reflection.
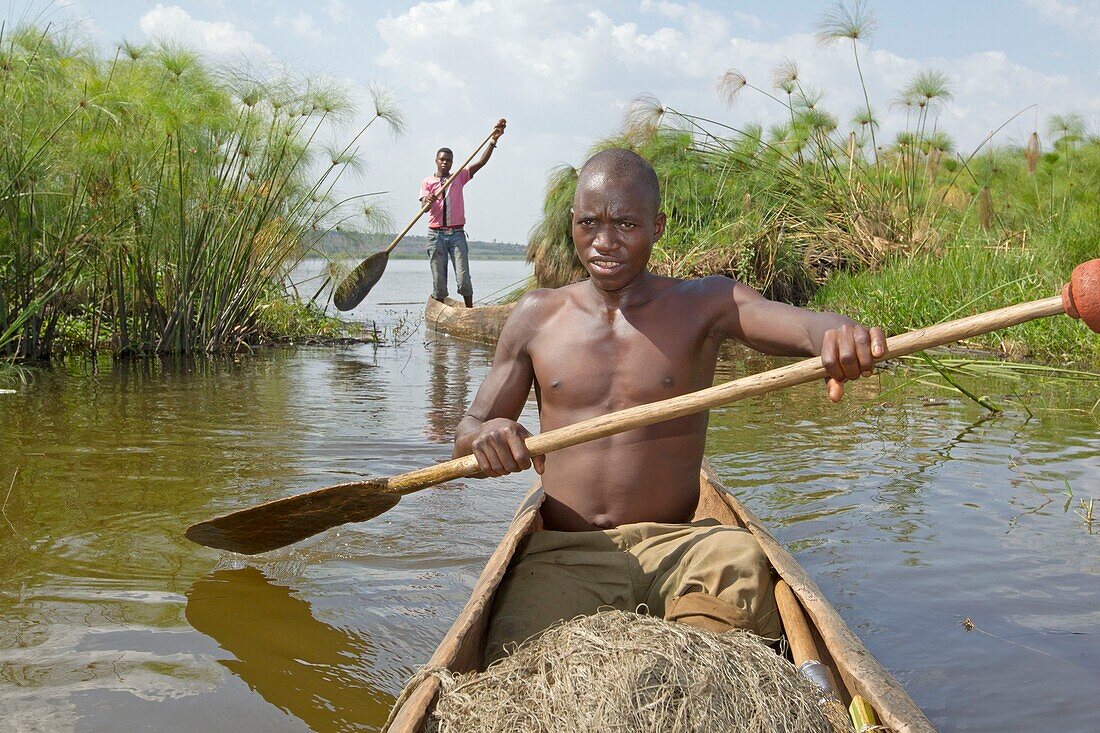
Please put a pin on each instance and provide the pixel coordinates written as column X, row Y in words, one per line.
column 103, row 467
column 911, row 514
column 448, row 385
column 303, row 666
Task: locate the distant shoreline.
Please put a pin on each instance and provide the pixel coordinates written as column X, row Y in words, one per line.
column 358, row 245
column 473, row 257
column 413, row 256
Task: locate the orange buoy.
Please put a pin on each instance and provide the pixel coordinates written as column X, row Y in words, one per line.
column 1081, row 295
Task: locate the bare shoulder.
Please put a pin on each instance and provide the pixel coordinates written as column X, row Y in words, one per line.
column 722, row 291
column 716, row 303
column 539, row 303
column 704, row 294
column 532, row 310
column 715, row 285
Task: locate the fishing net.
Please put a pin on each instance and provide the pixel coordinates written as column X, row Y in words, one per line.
column 630, row 673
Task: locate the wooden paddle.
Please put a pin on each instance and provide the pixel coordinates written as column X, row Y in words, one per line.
column 285, row 521
column 351, row 291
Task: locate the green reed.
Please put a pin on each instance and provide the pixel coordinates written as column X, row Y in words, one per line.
column 810, row 200
column 152, row 203
column 972, row 276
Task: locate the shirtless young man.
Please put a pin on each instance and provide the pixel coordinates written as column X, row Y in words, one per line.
column 618, row 510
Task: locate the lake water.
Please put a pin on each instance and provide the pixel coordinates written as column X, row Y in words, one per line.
column 914, row 510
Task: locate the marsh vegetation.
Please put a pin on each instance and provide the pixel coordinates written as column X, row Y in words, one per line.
column 151, row 202
column 905, row 232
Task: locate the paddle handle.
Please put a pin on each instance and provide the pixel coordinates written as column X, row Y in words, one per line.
column 442, row 189
column 801, row 372
column 804, row 651
column 795, row 626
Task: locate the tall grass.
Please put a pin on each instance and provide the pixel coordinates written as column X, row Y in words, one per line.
column 788, row 208
column 971, row 277
column 153, row 200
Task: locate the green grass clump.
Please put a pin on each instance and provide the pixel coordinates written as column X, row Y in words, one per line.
column 283, row 318
column 150, row 203
column 969, row 278
column 905, row 231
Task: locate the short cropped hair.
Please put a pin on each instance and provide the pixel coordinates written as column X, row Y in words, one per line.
column 623, row 163
column 445, row 150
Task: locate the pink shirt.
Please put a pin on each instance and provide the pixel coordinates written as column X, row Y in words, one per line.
column 449, row 211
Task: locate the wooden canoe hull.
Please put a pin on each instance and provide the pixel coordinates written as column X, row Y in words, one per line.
column 855, row 670
column 482, row 324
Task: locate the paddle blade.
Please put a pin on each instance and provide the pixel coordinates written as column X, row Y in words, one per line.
column 355, row 286
column 285, row 521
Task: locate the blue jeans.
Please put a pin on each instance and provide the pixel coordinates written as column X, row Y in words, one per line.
column 453, row 247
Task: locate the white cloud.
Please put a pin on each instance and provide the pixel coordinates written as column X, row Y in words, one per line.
column 547, row 53
column 564, row 72
column 693, row 13
column 1080, row 17
column 519, row 54
column 171, row 22
column 337, row 11
column 747, row 21
column 302, row 24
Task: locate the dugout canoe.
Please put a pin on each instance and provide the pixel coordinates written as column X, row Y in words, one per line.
column 853, row 668
column 481, row 323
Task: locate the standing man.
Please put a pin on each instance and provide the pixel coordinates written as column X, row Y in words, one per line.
column 447, row 219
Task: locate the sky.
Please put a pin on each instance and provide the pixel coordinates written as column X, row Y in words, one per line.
column 564, row 72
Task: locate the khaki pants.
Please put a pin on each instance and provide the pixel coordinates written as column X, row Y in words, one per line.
column 560, row 575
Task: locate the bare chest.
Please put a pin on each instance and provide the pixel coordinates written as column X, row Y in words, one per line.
column 600, row 366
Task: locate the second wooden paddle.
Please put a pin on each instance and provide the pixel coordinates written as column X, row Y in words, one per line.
column 352, row 289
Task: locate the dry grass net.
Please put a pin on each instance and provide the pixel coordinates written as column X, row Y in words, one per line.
column 617, row 671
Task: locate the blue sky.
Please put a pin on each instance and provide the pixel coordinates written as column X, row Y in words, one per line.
column 564, row 72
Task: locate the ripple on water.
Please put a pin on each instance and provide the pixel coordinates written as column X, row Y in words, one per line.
column 912, row 517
